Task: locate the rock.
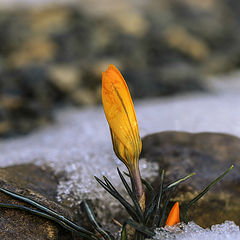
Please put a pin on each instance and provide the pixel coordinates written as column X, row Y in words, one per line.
column 162, row 48
column 40, row 185
column 166, row 81
column 84, row 97
column 49, row 21
column 66, row 77
column 178, row 38
column 37, row 49
column 208, row 155
column 23, row 103
column 131, row 22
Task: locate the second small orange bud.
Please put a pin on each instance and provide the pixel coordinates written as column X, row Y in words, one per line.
column 173, row 217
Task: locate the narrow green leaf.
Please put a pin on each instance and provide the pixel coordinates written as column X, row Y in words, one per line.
column 160, row 224
column 129, row 208
column 109, row 184
column 89, row 235
column 132, row 195
column 140, row 236
column 168, row 187
column 152, row 204
column 158, row 207
column 45, row 209
column 141, row 228
column 124, row 232
column 150, row 208
column 194, row 200
column 93, row 220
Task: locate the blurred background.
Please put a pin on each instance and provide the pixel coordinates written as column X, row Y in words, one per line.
column 52, row 53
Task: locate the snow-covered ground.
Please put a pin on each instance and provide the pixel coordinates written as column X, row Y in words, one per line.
column 191, row 231
column 79, row 142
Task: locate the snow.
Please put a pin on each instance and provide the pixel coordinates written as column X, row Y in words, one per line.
column 191, row 231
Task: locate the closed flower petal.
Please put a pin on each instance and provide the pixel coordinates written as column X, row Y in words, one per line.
column 173, row 217
column 121, row 117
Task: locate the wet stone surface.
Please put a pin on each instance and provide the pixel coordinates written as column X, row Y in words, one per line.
column 40, row 185
column 208, row 155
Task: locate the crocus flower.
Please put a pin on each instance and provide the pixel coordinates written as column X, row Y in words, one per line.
column 173, row 217
column 121, row 117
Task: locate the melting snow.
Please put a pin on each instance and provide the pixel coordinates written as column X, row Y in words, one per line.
column 191, row 231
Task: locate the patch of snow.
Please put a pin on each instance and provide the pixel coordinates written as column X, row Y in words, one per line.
column 191, row 231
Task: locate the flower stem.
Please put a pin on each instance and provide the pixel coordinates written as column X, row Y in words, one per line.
column 138, row 186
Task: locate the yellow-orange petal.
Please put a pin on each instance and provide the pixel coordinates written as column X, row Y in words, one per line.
column 121, row 117
column 173, row 217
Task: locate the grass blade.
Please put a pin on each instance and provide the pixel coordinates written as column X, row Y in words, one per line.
column 45, row 209
column 140, row 228
column 152, row 204
column 94, row 221
column 150, row 208
column 158, row 207
column 129, row 208
column 168, row 187
column 124, row 232
column 89, row 235
column 109, row 184
column 132, row 195
column 194, row 200
column 160, row 224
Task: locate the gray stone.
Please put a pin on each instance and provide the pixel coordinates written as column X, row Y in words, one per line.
column 208, row 155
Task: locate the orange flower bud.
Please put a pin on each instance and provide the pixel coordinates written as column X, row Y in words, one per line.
column 120, row 114
column 173, row 217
